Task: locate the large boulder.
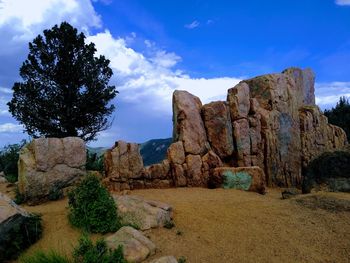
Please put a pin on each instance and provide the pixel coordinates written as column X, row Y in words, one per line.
column 188, row 125
column 48, row 165
column 124, row 161
column 2, row 178
column 145, row 214
column 217, row 122
column 18, row 228
column 242, row 178
column 136, row 247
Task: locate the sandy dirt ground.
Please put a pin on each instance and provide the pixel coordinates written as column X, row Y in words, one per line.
column 217, row 226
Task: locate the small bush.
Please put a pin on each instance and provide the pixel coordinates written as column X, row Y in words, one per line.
column 85, row 252
column 42, row 257
column 88, row 252
column 8, row 161
column 331, row 168
column 92, row 208
column 19, row 198
column 24, row 232
column 169, row 224
column 94, row 162
column 55, row 193
column 182, row 259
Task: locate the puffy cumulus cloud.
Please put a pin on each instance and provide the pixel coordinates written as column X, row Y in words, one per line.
column 23, row 19
column 10, row 128
column 151, row 80
column 342, row 2
column 328, row 94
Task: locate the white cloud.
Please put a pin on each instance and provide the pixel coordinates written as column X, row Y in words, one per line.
column 342, row 2
column 192, row 25
column 22, row 20
column 152, row 80
column 5, row 90
column 328, row 94
column 10, row 128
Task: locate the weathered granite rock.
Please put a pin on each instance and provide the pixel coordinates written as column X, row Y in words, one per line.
column 176, row 153
column 48, row 165
column 277, row 95
column 188, row 125
column 158, row 171
column 16, row 229
column 136, row 247
column 210, row 161
column 244, row 178
column 242, row 139
column 145, row 214
column 194, row 174
column 317, row 136
column 305, row 83
column 124, row 161
column 217, row 121
column 166, row 259
column 239, row 101
column 179, row 175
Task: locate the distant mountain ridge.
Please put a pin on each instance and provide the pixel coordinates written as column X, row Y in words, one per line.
column 152, row 151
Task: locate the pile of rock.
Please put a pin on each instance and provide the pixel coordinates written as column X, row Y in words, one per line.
column 269, row 121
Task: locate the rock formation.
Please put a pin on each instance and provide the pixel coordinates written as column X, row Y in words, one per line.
column 136, row 247
column 270, row 121
column 48, row 165
column 18, row 230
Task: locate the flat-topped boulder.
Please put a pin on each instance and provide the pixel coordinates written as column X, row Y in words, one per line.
column 143, row 213
column 48, row 165
column 136, row 247
column 241, row 178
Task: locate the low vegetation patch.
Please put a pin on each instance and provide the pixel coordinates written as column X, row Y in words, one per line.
column 85, row 252
column 331, row 169
column 92, row 208
column 8, row 161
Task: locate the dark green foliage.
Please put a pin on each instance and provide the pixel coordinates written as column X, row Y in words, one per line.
column 85, row 252
column 56, row 193
column 92, row 208
column 65, row 89
column 19, row 198
column 42, row 257
column 18, row 235
column 94, row 162
column 154, row 151
column 169, row 224
column 88, row 252
column 331, row 168
column 182, row 259
column 340, row 115
column 8, row 160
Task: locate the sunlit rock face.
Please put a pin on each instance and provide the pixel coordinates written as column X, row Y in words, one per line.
column 269, row 121
column 48, row 165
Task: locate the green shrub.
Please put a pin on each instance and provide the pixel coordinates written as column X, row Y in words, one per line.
column 19, row 198
column 23, row 232
column 94, row 162
column 42, row 257
column 85, row 252
column 92, row 208
column 331, row 168
column 169, row 224
column 8, row 161
column 182, row 259
column 88, row 252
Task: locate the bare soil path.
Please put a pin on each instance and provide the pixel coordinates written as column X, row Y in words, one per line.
column 217, row 226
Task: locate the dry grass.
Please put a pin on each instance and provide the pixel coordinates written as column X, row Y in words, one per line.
column 217, row 226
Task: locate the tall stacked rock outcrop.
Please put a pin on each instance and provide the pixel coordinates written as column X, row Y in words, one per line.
column 124, row 169
column 48, row 165
column 269, row 121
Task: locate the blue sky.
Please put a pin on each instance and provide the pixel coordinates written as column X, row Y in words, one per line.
column 204, row 47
